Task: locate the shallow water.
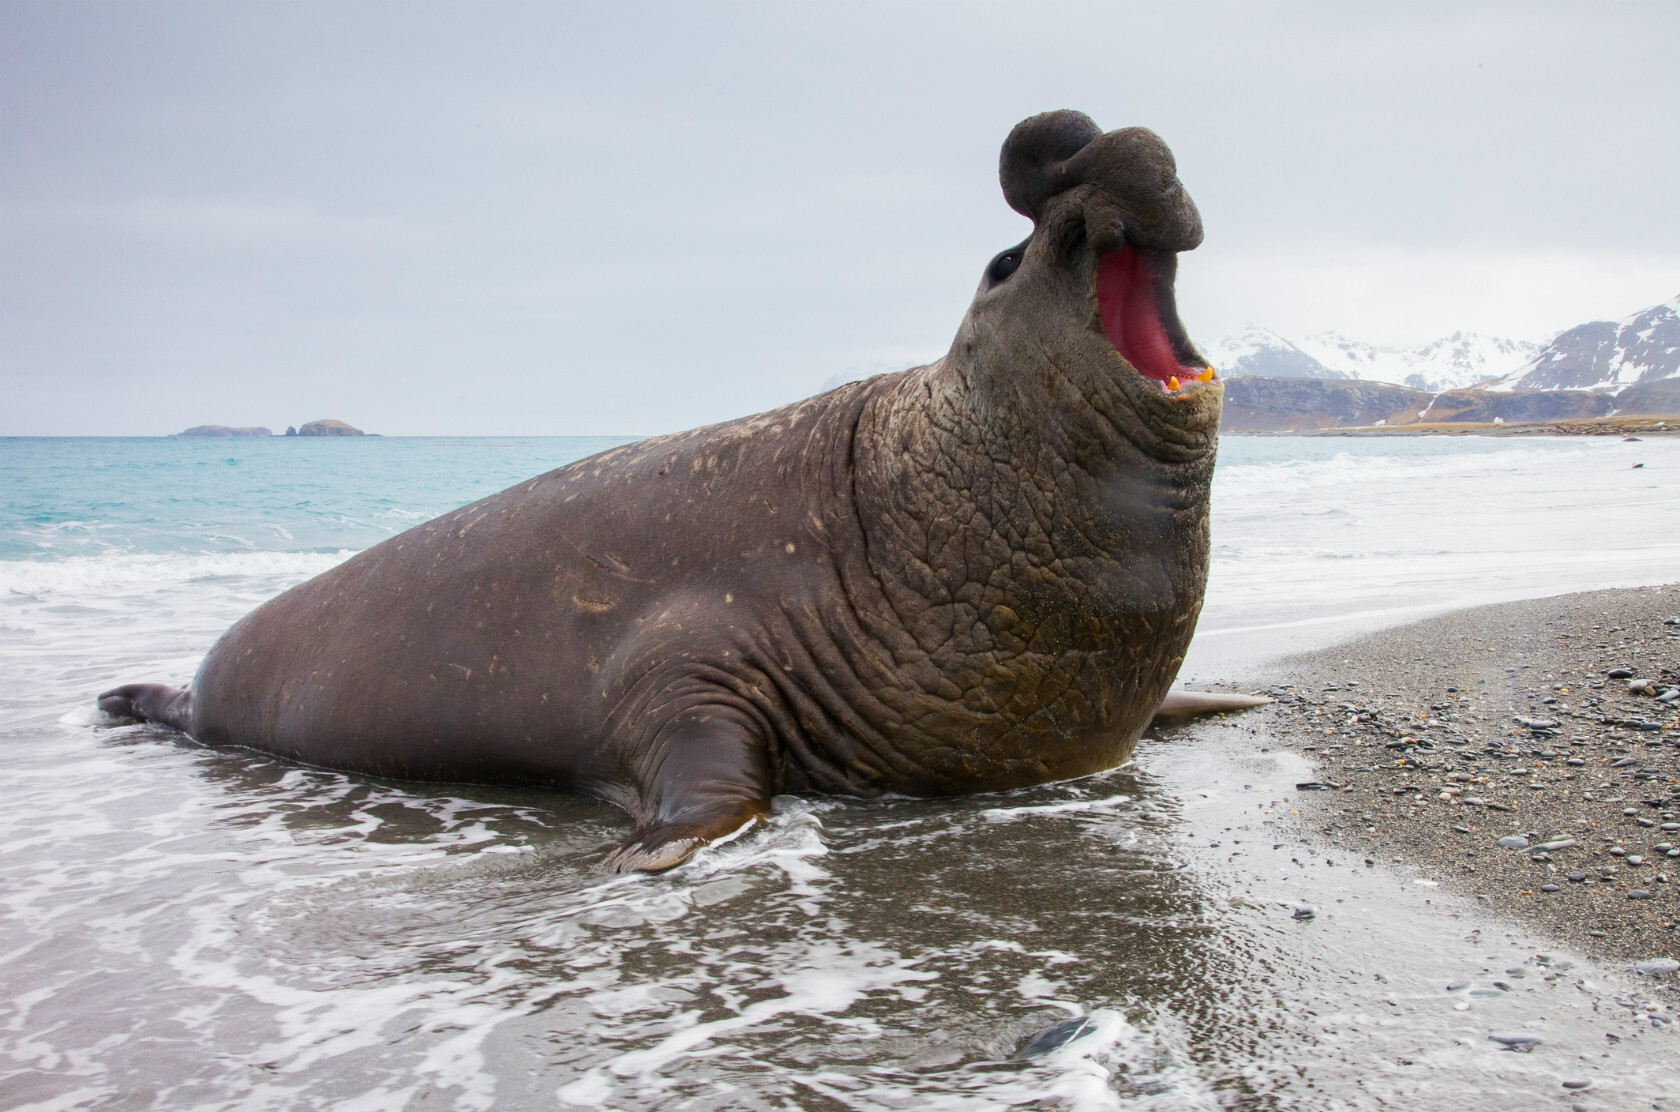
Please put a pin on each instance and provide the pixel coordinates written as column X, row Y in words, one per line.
column 186, row 927
column 1317, row 539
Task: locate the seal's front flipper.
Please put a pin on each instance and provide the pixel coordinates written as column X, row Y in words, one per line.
column 150, row 702
column 1182, row 706
column 706, row 777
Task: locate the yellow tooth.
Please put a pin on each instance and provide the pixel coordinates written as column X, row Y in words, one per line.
column 1205, row 376
column 1172, row 383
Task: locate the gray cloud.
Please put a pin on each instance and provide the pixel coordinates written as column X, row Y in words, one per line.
column 534, row 218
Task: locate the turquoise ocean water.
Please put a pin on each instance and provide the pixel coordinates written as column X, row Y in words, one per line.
column 155, row 495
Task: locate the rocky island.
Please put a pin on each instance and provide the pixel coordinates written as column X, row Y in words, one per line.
column 326, row 427
column 224, row 430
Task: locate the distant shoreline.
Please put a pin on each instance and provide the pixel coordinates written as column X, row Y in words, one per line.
column 1642, row 425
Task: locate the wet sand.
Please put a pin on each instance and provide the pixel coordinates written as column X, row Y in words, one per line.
column 1434, row 741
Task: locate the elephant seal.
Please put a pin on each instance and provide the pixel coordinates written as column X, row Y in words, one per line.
column 975, row 575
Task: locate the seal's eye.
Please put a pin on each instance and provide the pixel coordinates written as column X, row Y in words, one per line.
column 1004, row 265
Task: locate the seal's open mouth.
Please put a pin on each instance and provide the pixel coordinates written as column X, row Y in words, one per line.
column 1135, row 304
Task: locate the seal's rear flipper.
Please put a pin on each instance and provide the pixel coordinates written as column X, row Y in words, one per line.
column 150, row 702
column 705, row 778
column 1182, row 706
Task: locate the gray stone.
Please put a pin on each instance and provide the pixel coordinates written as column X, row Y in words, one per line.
column 1058, row 1036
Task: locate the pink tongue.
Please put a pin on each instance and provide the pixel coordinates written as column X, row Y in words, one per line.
column 1130, row 318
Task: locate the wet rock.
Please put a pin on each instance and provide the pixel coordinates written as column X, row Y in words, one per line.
column 1620, row 673
column 1458, row 986
column 1056, row 1037
column 1550, row 888
column 1656, row 967
column 1515, row 1040
column 1638, row 894
column 1576, row 1084
column 1313, row 786
column 1577, row 877
column 1304, row 912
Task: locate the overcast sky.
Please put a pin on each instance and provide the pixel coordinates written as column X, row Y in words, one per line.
column 487, row 218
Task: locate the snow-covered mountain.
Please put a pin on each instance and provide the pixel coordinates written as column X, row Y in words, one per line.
column 1462, row 359
column 1605, row 355
column 1260, row 351
column 1450, row 363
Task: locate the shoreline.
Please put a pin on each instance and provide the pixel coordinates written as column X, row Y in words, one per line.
column 1433, row 741
column 1642, row 425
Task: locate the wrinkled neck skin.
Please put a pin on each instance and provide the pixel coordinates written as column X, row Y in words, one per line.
column 1034, row 518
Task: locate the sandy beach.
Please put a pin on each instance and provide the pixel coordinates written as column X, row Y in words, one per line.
column 1510, row 753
